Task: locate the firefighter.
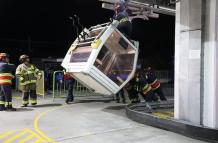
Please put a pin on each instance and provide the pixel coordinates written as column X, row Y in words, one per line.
column 154, row 83
column 133, row 89
column 146, row 90
column 6, row 77
column 28, row 74
column 122, row 16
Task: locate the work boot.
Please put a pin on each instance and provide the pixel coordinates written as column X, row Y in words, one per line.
column 33, row 104
column 24, row 105
column 10, row 108
column 117, row 101
column 67, row 101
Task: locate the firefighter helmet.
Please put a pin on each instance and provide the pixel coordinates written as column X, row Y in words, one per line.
column 23, row 58
column 3, row 56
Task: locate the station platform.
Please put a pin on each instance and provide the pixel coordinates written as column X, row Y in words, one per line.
column 81, row 122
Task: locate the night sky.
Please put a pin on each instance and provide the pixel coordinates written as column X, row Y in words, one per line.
column 45, row 23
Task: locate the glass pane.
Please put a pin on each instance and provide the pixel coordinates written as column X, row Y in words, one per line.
column 116, row 58
column 81, row 54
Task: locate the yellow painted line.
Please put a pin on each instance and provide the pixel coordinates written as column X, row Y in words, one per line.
column 36, row 121
column 15, row 137
column 39, row 141
column 34, row 134
column 26, row 139
column 6, row 134
column 161, row 115
column 18, row 98
column 170, row 113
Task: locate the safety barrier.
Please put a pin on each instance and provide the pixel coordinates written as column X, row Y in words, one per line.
column 163, row 76
column 58, row 84
column 81, row 91
column 60, row 89
column 40, row 85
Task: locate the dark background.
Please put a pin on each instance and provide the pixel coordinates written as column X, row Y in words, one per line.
column 41, row 28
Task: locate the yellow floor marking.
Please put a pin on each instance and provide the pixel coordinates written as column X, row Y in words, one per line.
column 26, row 139
column 170, row 113
column 161, row 115
column 6, row 134
column 34, row 134
column 15, row 137
column 40, row 141
column 36, row 121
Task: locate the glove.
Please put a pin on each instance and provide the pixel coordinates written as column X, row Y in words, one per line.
column 39, row 76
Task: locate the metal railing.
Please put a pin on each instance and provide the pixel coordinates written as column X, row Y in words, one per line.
column 164, row 76
column 58, row 86
column 59, row 89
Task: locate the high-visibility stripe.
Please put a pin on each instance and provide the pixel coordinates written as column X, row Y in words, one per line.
column 21, row 78
column 146, row 89
column 6, row 77
column 2, row 103
column 154, row 81
column 8, row 103
column 146, row 86
column 30, row 72
column 124, row 20
column 5, row 81
column 155, row 84
column 28, row 82
column 33, row 81
column 18, row 72
column 25, row 102
column 25, row 83
column 6, row 74
column 33, row 101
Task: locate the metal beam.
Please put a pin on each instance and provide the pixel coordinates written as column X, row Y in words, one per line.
column 137, row 5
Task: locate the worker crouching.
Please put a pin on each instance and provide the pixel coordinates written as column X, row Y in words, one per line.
column 28, row 74
column 154, row 83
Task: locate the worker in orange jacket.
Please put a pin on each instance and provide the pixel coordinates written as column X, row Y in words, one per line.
column 6, row 77
column 154, row 83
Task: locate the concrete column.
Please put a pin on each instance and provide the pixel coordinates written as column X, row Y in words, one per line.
column 210, row 64
column 188, row 60
column 196, row 62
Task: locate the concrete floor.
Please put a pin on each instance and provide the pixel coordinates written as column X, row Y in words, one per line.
column 95, row 122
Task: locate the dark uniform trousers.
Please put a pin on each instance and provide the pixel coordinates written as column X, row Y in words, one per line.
column 29, row 94
column 5, row 96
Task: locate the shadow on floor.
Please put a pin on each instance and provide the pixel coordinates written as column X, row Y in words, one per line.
column 24, row 110
column 118, row 107
column 47, row 105
column 116, row 110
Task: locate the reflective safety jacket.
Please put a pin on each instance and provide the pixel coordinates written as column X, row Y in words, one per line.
column 122, row 16
column 27, row 74
column 6, row 71
column 152, row 80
